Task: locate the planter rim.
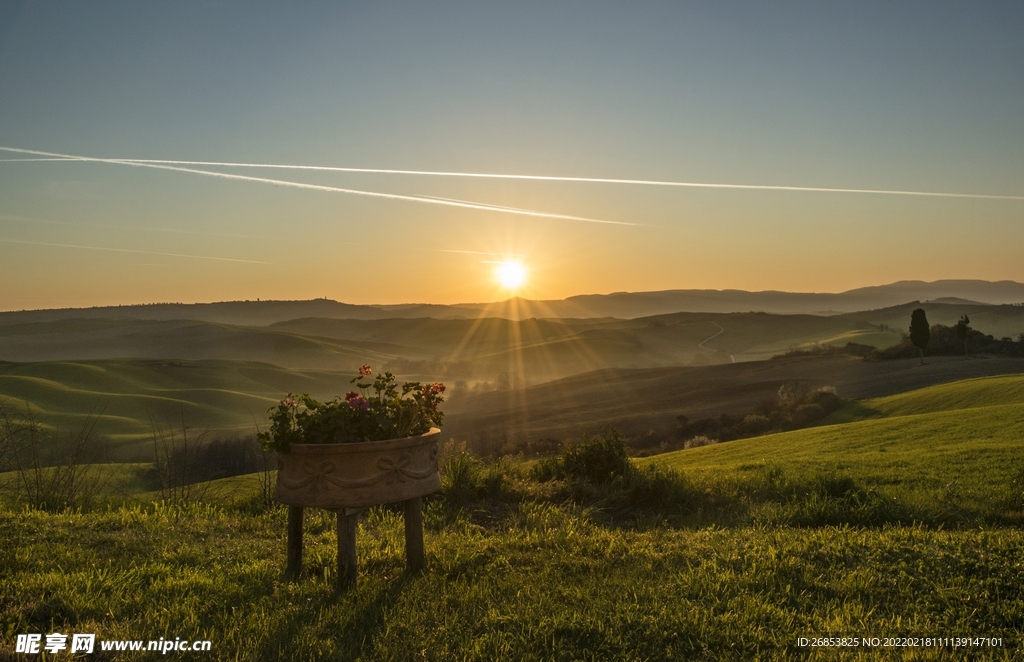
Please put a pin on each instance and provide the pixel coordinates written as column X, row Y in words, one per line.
column 363, row 446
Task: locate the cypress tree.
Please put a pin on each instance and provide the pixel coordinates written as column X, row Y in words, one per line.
column 919, row 331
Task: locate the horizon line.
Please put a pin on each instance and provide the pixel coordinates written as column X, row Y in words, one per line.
column 491, row 303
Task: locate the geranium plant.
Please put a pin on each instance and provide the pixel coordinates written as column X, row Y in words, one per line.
column 378, row 410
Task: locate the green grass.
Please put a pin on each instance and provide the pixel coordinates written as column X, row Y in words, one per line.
column 966, row 394
column 955, row 449
column 133, row 395
column 906, row 525
column 547, row 583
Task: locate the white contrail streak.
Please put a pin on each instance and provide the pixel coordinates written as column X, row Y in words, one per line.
column 452, row 250
column 128, row 250
column 317, row 187
column 25, row 219
column 591, row 180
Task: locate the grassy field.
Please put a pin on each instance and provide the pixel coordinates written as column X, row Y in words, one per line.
column 135, row 395
column 945, row 453
column 905, row 524
column 224, row 396
column 548, row 584
column 527, row 351
column 637, row 402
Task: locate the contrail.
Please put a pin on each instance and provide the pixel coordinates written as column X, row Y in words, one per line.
column 129, row 250
column 25, row 219
column 591, row 180
column 333, row 189
column 452, row 250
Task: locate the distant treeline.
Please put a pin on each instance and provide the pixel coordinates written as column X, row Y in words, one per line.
column 944, row 341
column 795, row 407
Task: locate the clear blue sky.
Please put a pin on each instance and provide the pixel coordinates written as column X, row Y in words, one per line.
column 906, row 96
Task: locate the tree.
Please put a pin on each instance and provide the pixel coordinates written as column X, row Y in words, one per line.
column 919, row 331
column 962, row 327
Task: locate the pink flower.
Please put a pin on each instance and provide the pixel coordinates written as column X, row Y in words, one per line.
column 358, row 402
column 365, row 370
column 290, row 402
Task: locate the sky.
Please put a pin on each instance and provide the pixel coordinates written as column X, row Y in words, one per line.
column 921, row 97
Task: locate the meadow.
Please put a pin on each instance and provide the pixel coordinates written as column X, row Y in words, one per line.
column 485, row 348
column 226, row 398
column 902, row 519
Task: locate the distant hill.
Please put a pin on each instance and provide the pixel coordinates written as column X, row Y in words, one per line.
column 642, row 304
column 998, row 321
column 642, row 402
column 134, row 395
column 496, row 350
column 623, row 305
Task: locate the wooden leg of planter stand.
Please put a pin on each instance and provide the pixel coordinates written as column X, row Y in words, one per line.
column 294, row 541
column 414, row 533
column 347, row 548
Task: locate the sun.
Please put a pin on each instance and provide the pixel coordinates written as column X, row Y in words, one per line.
column 511, row 275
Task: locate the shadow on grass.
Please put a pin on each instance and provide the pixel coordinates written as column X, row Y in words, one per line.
column 357, row 614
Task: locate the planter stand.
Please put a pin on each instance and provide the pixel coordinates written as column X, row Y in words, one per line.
column 347, row 520
column 346, row 479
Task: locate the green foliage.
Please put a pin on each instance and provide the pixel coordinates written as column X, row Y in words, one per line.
column 386, row 414
column 597, row 460
column 794, row 408
column 41, row 477
column 951, row 341
column 962, row 327
column 919, row 329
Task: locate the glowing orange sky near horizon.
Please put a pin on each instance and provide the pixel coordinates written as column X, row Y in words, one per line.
column 820, row 97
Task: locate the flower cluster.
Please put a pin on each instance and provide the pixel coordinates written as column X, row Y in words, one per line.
column 356, row 401
column 378, row 410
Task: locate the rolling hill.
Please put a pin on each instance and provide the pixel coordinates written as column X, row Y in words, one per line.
column 487, row 349
column 636, row 402
column 224, row 396
column 130, row 397
column 956, row 445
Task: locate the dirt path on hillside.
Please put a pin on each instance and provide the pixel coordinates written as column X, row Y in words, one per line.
column 720, row 332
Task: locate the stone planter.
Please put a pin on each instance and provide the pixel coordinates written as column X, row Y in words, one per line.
column 346, row 478
column 336, row 476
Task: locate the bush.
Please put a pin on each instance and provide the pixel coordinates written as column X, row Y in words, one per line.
column 460, row 477
column 49, row 473
column 697, row 442
column 597, row 460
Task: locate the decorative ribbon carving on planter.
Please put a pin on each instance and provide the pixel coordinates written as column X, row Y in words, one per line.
column 319, row 476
